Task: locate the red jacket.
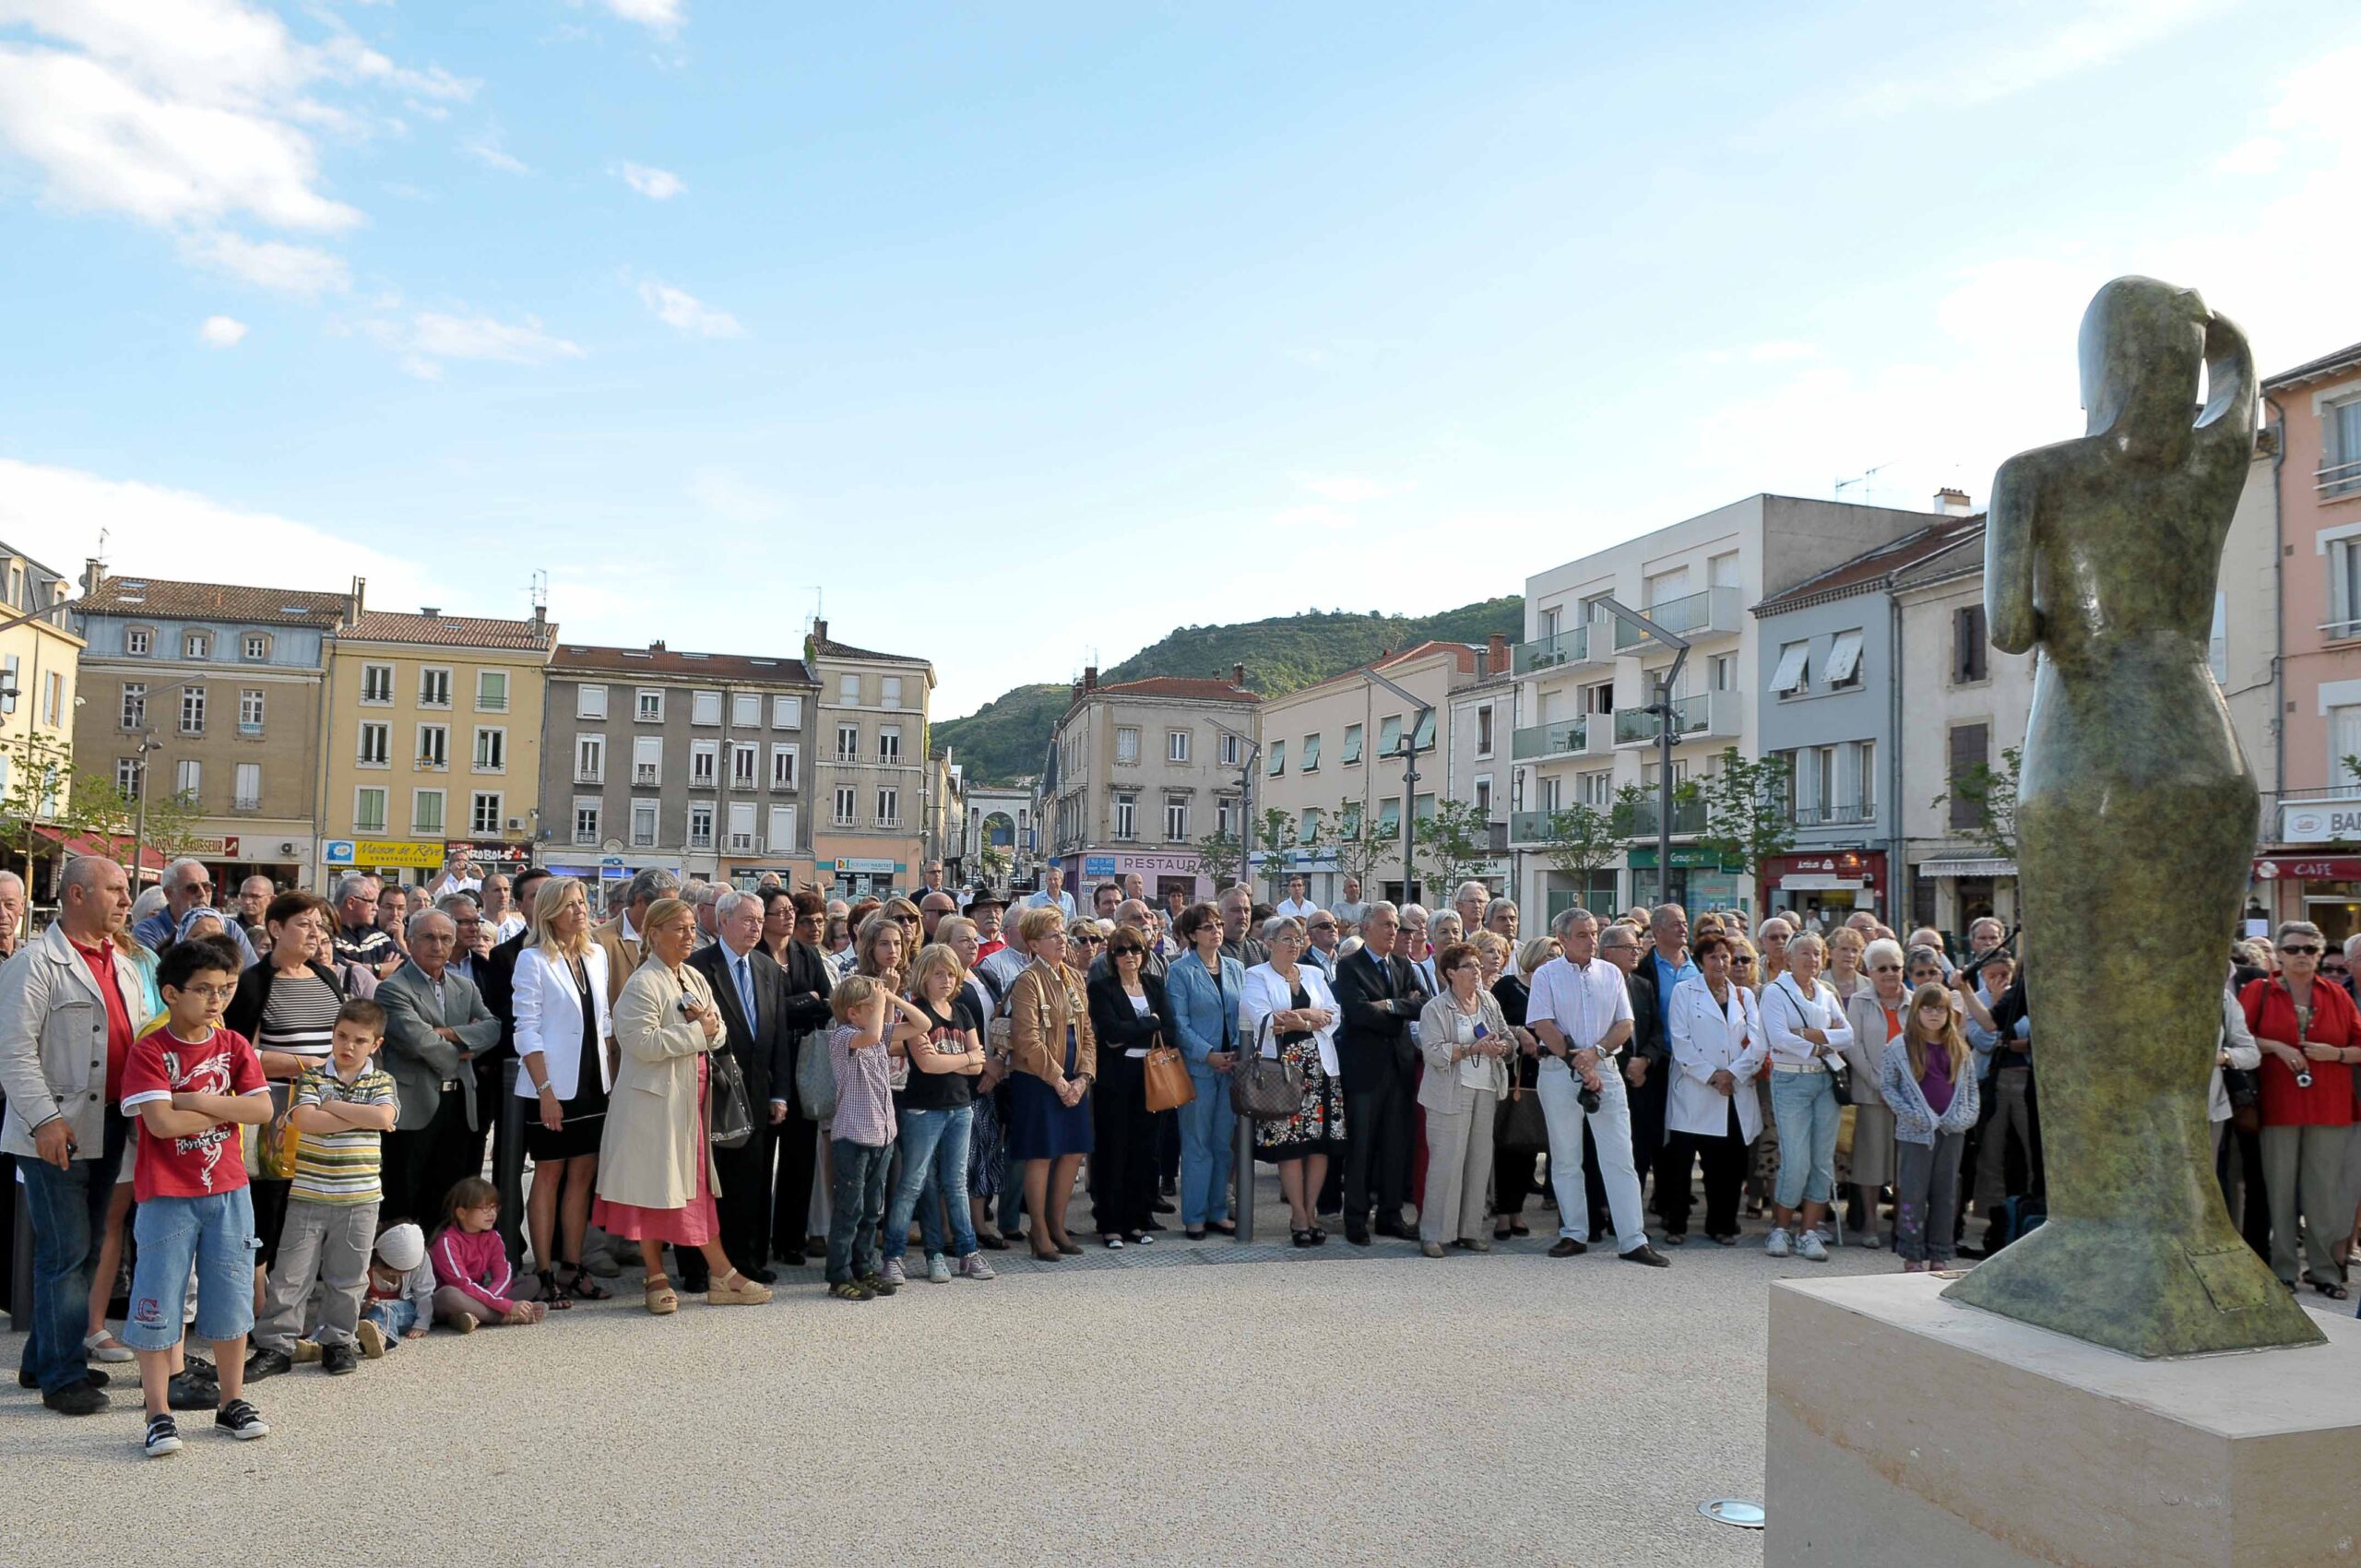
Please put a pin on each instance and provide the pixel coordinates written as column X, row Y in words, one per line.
column 2271, row 1014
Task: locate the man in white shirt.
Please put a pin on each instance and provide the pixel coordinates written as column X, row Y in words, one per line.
column 1295, row 905
column 1053, row 894
column 504, row 918
column 1582, row 1013
column 459, row 876
column 1351, row 908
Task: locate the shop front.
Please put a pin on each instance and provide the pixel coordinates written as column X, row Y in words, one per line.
column 1825, row 887
column 2323, row 889
column 1159, row 872
column 609, row 874
column 857, row 878
column 1952, row 894
column 1702, row 881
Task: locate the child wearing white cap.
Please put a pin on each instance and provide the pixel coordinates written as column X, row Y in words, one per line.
column 401, row 1291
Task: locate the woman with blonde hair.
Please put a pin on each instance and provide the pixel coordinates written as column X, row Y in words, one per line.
column 1846, row 949
column 564, row 1067
column 1053, row 1058
column 655, row 1174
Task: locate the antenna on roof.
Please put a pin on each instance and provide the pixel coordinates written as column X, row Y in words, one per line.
column 538, row 589
column 1861, row 478
column 819, row 604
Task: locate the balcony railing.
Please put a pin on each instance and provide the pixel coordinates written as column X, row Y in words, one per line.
column 1708, row 714
column 645, row 773
column 2338, row 478
column 1569, row 738
column 1552, row 652
column 1716, row 610
column 1833, row 816
column 1688, row 818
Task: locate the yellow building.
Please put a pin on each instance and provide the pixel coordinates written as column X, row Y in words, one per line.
column 433, row 739
column 40, row 656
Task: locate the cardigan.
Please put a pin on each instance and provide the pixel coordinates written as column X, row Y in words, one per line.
column 1914, row 1121
column 1439, row 1087
column 2271, row 1014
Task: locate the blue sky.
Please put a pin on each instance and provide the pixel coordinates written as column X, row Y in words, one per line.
column 1029, row 333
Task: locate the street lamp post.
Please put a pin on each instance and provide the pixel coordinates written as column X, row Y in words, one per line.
column 1662, row 707
column 1422, row 710
column 139, row 830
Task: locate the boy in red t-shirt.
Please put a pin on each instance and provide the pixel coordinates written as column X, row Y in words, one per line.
column 191, row 1083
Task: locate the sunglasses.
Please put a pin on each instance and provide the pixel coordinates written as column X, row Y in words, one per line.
column 1741, row 963
column 1885, row 968
column 2297, row 950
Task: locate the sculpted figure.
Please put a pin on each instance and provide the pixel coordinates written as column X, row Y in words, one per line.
column 2136, row 818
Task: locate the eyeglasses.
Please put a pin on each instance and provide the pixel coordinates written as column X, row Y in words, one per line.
column 2296, row 950
column 210, row 992
column 1090, row 941
column 1741, row 963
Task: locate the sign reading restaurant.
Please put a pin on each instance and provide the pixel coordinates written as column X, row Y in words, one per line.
column 2332, row 823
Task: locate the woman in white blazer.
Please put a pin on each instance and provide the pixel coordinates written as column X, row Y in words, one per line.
column 564, row 1035
column 1807, row 1035
column 1713, row 1113
column 1293, row 1000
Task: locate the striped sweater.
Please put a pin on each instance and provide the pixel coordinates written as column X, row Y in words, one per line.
column 339, row 1168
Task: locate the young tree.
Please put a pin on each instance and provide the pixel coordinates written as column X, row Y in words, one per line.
column 1746, row 809
column 1217, row 857
column 1454, row 841
column 1274, row 837
column 1358, row 851
column 994, row 860
column 1580, row 841
column 1993, row 793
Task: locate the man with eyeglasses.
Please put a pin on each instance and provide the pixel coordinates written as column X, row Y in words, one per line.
column 187, row 885
column 358, row 938
column 1325, row 935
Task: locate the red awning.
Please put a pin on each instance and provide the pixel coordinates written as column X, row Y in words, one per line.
column 151, row 864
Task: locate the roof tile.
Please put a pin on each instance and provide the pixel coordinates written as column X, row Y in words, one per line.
column 162, row 599
column 450, row 631
column 576, row 658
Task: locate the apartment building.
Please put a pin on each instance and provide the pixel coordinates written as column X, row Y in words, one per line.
column 1334, row 760
column 1142, row 771
column 211, row 693
column 40, row 661
column 696, row 763
column 1586, row 680
column 1478, row 726
column 870, row 767
column 433, row 738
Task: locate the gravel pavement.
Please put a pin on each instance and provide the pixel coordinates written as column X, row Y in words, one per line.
column 1183, row 1403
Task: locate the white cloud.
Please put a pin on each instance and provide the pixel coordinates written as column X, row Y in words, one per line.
column 486, row 149
column 730, row 498
column 440, row 337
column 2255, row 155
column 1347, row 490
column 661, row 15
column 2011, row 58
column 271, row 264
column 656, row 185
column 687, row 314
column 222, row 332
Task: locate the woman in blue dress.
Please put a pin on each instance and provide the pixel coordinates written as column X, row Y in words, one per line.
column 1053, row 1060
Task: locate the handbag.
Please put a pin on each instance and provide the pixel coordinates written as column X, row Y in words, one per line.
column 1266, row 1089
column 1169, row 1087
column 729, row 1114
column 815, row 1078
column 1519, row 1126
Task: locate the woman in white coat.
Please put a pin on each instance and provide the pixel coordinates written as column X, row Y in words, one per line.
column 1713, row 1113
column 1805, row 1025
column 563, row 1036
column 1288, row 1013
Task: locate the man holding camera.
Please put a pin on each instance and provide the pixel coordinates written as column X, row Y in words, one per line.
column 1581, row 1013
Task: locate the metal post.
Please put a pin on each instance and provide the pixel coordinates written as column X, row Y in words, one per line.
column 139, row 830
column 508, row 1165
column 1663, row 782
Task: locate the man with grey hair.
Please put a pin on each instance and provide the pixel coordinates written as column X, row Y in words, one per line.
column 436, row 1023
column 700, row 894
column 1469, row 901
column 751, row 990
column 620, row 937
column 1378, row 995
column 358, row 938
column 12, row 912
column 475, row 937
column 187, row 885
column 1237, row 905
column 1133, row 912
column 254, row 895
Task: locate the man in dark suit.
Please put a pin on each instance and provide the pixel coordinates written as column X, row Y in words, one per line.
column 805, row 985
column 753, row 995
column 1378, row 995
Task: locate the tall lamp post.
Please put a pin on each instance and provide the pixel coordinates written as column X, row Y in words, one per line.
column 1422, row 712
column 1666, row 721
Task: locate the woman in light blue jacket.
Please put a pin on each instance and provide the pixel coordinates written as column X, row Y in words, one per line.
column 1201, row 989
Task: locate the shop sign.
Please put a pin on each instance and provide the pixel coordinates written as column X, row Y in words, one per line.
column 222, row 849
column 2335, row 822
column 365, row 852
column 868, row 867
column 1685, row 857
column 2325, row 868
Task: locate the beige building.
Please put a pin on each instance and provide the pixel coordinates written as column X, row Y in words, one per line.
column 433, row 738
column 1141, row 771
column 872, row 802
column 1335, row 750
column 39, row 657
column 222, row 685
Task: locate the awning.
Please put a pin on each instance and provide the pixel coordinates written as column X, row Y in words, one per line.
column 1790, row 673
column 99, row 844
column 1843, row 658
column 1988, row 867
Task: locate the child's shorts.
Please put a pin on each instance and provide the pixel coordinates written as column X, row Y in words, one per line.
column 217, row 1233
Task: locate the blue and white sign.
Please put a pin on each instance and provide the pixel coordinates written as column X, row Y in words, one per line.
column 1098, row 865
column 335, row 851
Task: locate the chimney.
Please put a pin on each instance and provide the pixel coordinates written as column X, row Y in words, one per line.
column 540, row 620
column 356, row 600
column 1496, row 655
column 429, row 611
column 819, row 630
column 94, row 574
column 1238, row 675
column 1953, row 503
column 1090, row 677
column 655, row 647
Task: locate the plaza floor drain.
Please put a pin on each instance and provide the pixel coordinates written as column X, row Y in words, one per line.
column 1730, row 1510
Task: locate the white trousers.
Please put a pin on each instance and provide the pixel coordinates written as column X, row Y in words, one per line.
column 1611, row 1125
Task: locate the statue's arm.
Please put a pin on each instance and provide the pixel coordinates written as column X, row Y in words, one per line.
column 2010, row 617
column 2229, row 387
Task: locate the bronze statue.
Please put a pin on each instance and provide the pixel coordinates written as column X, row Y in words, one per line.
column 2136, row 818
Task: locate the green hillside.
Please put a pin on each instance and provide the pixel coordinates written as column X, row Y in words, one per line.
column 1006, row 737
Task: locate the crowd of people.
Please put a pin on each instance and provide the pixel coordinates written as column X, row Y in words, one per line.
column 282, row 1106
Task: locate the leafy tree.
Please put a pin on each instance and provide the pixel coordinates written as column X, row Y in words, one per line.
column 1746, row 820
column 1274, row 837
column 1580, row 840
column 1993, row 793
column 1217, row 857
column 994, row 861
column 1358, row 849
column 1454, row 841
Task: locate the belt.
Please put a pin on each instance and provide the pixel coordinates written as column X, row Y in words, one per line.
column 1814, row 1066
column 450, row 1085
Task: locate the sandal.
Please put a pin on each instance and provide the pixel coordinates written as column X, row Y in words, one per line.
column 1303, row 1239
column 553, row 1296
column 1050, row 1255
column 2330, row 1288
column 663, row 1301
column 1221, row 1227
column 584, row 1287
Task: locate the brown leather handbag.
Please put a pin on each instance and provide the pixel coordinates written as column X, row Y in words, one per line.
column 1169, row 1087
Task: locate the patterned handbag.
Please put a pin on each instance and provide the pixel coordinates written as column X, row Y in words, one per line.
column 1266, row 1089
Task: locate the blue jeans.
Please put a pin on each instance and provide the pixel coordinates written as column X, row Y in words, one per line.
column 1804, row 1106
column 1205, row 1123
column 397, row 1317
column 216, row 1232
column 856, row 1203
column 69, row 1210
column 934, row 1164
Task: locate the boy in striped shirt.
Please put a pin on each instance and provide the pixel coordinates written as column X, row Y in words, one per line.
column 341, row 1109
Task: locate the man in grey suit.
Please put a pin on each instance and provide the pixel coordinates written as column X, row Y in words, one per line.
column 752, row 991
column 436, row 1023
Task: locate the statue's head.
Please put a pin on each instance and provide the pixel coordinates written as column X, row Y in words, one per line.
column 2142, row 348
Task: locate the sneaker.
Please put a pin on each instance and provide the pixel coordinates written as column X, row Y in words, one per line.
column 189, row 1392
column 163, row 1437
column 1869, row 1239
column 1776, row 1244
column 973, row 1267
column 938, row 1269
column 371, row 1340
column 893, row 1275
column 266, row 1362
column 851, row 1290
column 1812, row 1248
column 79, row 1399
column 338, row 1360
column 240, row 1421
column 879, row 1284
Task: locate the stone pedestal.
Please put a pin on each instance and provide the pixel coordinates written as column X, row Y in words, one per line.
column 1907, row 1429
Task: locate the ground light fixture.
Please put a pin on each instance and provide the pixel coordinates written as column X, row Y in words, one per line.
column 1732, row 1511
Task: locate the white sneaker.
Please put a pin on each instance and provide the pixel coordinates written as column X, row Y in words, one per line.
column 1776, row 1245
column 938, row 1269
column 973, row 1267
column 893, row 1272
column 1869, row 1239
column 1812, row 1248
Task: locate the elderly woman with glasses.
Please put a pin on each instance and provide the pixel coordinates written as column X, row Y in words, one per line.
column 1877, row 1013
column 1128, row 1015
column 2310, row 1037
column 1466, row 1044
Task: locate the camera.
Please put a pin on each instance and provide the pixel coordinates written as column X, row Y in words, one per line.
column 688, row 1004
column 1588, row 1100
